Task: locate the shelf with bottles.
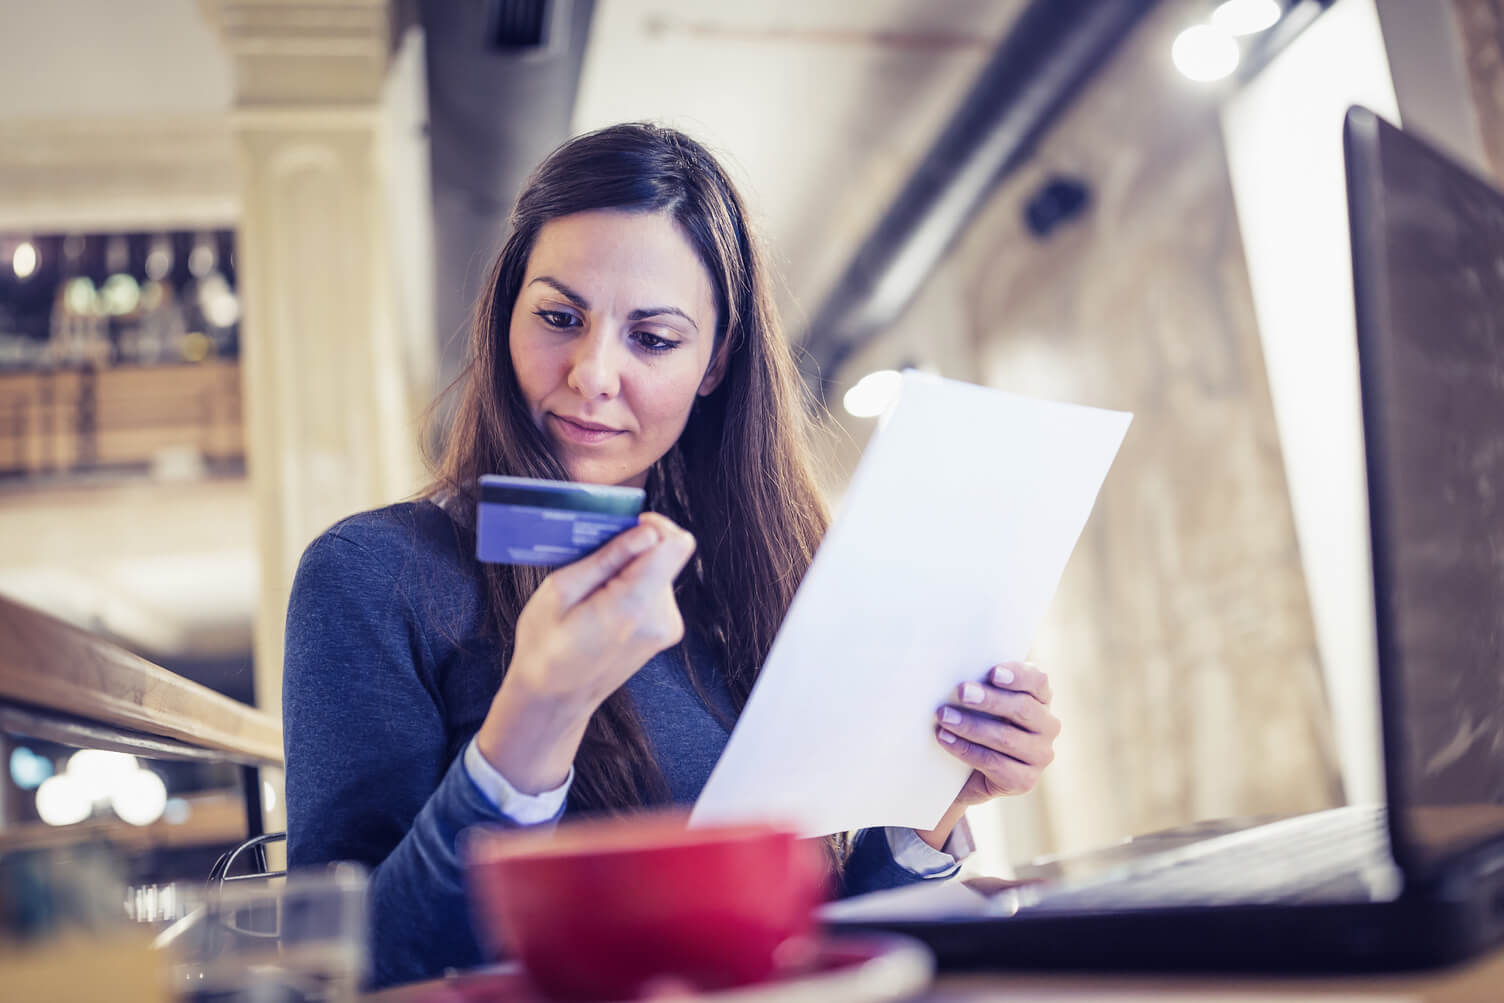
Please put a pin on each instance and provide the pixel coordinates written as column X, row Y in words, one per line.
column 103, row 300
column 117, row 349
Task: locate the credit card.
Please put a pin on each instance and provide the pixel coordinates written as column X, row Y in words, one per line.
column 521, row 520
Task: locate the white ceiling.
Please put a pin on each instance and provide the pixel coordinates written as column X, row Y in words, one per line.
column 820, row 107
column 104, row 58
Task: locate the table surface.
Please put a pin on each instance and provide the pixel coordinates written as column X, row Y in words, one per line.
column 1478, row 982
column 1481, row 981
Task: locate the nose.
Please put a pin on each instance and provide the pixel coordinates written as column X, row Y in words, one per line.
column 594, row 372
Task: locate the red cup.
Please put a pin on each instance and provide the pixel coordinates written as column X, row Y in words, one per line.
column 611, row 909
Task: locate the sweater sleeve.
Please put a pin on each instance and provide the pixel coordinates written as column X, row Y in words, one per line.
column 872, row 866
column 369, row 774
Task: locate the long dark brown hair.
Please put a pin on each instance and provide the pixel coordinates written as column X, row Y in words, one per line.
column 739, row 478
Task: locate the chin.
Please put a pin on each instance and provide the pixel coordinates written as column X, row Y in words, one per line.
column 599, row 473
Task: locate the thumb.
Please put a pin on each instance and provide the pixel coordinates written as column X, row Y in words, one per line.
column 574, row 582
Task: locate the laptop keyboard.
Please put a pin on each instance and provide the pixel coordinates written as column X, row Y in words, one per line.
column 1339, row 855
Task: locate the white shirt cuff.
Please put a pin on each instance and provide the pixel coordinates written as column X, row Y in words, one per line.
column 918, row 857
column 524, row 809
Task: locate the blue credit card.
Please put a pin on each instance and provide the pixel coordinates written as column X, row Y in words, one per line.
column 521, row 520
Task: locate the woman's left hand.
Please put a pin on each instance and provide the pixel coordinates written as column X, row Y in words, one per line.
column 1003, row 729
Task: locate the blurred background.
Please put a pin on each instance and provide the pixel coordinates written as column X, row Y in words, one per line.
column 240, row 241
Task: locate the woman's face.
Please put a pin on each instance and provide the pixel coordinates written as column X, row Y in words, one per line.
column 612, row 338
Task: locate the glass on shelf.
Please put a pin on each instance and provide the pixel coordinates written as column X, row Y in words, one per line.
column 299, row 939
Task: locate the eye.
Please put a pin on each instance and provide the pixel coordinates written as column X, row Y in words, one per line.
column 557, row 318
column 653, row 343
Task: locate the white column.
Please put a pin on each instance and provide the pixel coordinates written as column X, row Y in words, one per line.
column 335, row 373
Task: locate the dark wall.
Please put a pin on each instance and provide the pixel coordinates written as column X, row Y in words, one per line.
column 494, row 112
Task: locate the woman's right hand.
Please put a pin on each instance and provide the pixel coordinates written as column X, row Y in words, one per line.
column 587, row 629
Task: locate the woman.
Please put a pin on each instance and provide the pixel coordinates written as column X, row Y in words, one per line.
column 626, row 336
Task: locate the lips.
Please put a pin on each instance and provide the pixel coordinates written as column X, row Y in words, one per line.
column 581, row 431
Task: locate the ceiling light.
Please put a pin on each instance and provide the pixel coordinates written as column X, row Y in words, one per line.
column 1246, row 17
column 98, row 772
column 872, row 394
column 1204, row 53
column 24, row 261
column 140, row 798
column 61, row 800
column 159, row 259
column 28, row 769
column 201, row 259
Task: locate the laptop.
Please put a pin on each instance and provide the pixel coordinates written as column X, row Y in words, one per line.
column 1418, row 881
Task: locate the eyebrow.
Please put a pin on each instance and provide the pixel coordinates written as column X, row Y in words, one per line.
column 643, row 313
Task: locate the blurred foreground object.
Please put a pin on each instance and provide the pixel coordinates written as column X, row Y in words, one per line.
column 607, row 909
column 300, row 939
column 64, row 934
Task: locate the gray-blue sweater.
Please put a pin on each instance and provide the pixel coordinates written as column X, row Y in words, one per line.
column 388, row 676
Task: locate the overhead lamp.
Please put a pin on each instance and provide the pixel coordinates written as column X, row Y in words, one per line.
column 872, row 394
column 98, row 771
column 1204, row 53
column 140, row 797
column 62, row 800
column 202, row 259
column 25, row 260
column 159, row 259
column 27, row 769
column 1247, row 17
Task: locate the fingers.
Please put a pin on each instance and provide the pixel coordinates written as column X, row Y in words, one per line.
column 1002, row 728
column 640, row 599
column 1022, row 709
column 990, row 733
column 1022, row 677
column 662, row 564
column 1003, row 774
column 573, row 582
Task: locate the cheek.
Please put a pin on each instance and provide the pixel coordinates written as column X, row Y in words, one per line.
column 665, row 402
column 531, row 367
column 517, row 358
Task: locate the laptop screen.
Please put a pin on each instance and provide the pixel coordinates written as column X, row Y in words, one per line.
column 1428, row 257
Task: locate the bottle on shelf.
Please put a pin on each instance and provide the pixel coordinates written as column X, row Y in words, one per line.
column 79, row 335
column 162, row 324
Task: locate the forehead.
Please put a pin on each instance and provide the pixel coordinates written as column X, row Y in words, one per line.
column 614, row 255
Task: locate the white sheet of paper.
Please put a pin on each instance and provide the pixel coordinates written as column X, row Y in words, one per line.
column 951, row 539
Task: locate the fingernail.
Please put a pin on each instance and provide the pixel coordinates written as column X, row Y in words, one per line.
column 971, row 693
column 950, row 715
column 947, row 737
column 1002, row 675
column 642, row 540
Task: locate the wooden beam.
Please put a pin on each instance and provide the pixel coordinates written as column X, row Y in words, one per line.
column 50, row 664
